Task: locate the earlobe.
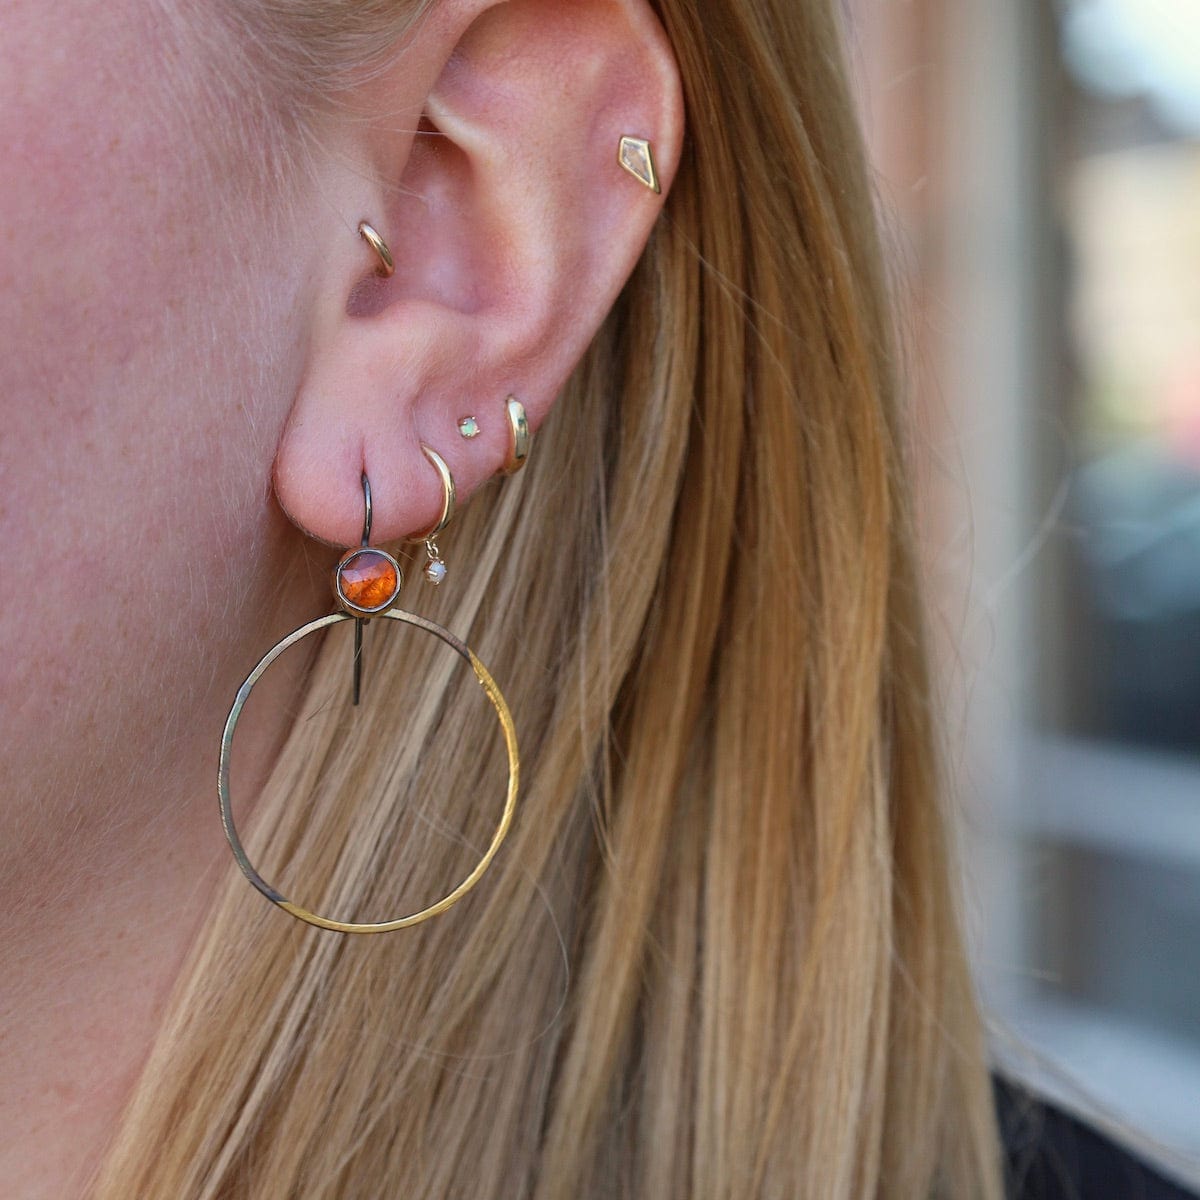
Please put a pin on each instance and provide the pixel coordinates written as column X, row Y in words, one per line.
column 516, row 218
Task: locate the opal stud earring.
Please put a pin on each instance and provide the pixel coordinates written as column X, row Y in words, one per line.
column 468, row 427
column 635, row 155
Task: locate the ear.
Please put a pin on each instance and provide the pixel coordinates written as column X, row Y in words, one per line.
column 486, row 155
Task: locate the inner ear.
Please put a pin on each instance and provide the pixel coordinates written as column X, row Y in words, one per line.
column 368, row 297
column 409, row 198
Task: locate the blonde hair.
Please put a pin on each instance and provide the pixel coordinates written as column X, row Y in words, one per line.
column 719, row 954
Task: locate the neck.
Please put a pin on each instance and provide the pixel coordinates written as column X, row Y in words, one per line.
column 100, row 903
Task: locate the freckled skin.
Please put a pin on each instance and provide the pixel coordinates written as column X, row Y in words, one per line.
column 149, row 347
column 136, row 328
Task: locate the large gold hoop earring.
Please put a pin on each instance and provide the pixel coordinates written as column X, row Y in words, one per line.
column 367, row 583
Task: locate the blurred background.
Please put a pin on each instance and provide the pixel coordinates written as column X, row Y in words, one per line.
column 1038, row 168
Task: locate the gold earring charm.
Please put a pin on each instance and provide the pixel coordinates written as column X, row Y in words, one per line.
column 435, row 567
column 635, row 155
column 367, row 582
column 518, row 436
column 387, row 265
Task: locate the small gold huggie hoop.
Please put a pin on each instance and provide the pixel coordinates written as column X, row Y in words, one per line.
column 387, row 265
column 367, row 583
column 518, row 436
column 435, row 567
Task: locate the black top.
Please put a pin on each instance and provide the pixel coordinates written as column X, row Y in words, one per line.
column 1052, row 1156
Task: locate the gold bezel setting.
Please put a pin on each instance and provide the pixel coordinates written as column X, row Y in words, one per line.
column 636, row 156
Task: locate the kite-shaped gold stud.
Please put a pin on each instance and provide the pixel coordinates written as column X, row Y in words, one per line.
column 635, row 155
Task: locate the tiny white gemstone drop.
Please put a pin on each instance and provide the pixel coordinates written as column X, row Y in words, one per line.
column 435, row 570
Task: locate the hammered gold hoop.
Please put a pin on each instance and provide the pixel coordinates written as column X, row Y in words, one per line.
column 510, row 741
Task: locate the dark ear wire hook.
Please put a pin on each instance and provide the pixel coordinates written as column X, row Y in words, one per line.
column 358, row 621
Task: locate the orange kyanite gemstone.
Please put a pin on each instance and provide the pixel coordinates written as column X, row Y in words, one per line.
column 368, row 579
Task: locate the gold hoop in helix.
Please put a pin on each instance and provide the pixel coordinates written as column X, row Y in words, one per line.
column 367, row 583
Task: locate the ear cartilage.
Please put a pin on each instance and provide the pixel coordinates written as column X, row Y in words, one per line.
column 468, row 427
column 635, row 155
column 370, row 235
